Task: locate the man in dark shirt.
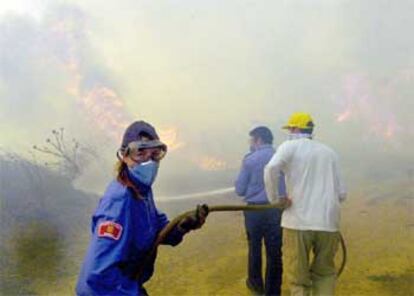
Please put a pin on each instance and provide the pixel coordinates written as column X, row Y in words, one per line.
column 261, row 225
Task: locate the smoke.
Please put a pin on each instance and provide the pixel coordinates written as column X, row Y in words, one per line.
column 205, row 73
column 373, row 104
column 40, row 215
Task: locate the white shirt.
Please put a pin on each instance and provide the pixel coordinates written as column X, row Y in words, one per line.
column 314, row 183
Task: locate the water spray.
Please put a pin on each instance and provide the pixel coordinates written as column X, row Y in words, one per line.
column 221, row 208
column 211, row 193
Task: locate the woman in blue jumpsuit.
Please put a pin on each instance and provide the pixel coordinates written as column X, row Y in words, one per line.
column 126, row 221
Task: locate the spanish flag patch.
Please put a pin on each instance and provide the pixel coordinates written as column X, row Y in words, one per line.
column 110, row 229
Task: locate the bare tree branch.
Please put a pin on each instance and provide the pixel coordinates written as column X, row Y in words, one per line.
column 69, row 158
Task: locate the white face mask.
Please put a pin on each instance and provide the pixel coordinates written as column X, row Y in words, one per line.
column 294, row 136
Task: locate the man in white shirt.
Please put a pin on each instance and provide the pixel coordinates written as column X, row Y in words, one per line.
column 311, row 222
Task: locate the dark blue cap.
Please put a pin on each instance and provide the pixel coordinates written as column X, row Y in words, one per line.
column 136, row 131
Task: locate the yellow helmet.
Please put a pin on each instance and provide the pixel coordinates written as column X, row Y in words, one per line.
column 300, row 120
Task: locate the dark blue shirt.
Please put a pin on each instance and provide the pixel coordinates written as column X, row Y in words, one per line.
column 250, row 182
column 124, row 229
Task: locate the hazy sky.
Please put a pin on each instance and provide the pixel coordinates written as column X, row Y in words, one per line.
column 207, row 71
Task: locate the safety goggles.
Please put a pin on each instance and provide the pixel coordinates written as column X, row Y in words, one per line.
column 141, row 151
column 142, row 155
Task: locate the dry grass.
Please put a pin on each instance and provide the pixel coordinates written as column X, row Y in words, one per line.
column 379, row 234
column 378, row 225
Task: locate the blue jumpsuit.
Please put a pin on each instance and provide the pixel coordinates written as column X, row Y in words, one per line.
column 123, row 231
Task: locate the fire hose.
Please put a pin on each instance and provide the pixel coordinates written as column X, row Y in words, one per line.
column 226, row 208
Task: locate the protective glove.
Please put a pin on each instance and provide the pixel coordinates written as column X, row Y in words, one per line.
column 194, row 220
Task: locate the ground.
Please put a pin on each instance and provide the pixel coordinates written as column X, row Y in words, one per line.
column 378, row 229
column 377, row 223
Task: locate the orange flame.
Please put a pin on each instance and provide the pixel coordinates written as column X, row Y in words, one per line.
column 107, row 109
column 102, row 103
column 344, row 116
column 361, row 95
column 170, row 137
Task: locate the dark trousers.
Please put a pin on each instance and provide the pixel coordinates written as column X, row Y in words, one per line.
column 142, row 291
column 265, row 226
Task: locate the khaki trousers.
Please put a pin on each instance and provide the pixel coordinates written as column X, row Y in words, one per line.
column 310, row 275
